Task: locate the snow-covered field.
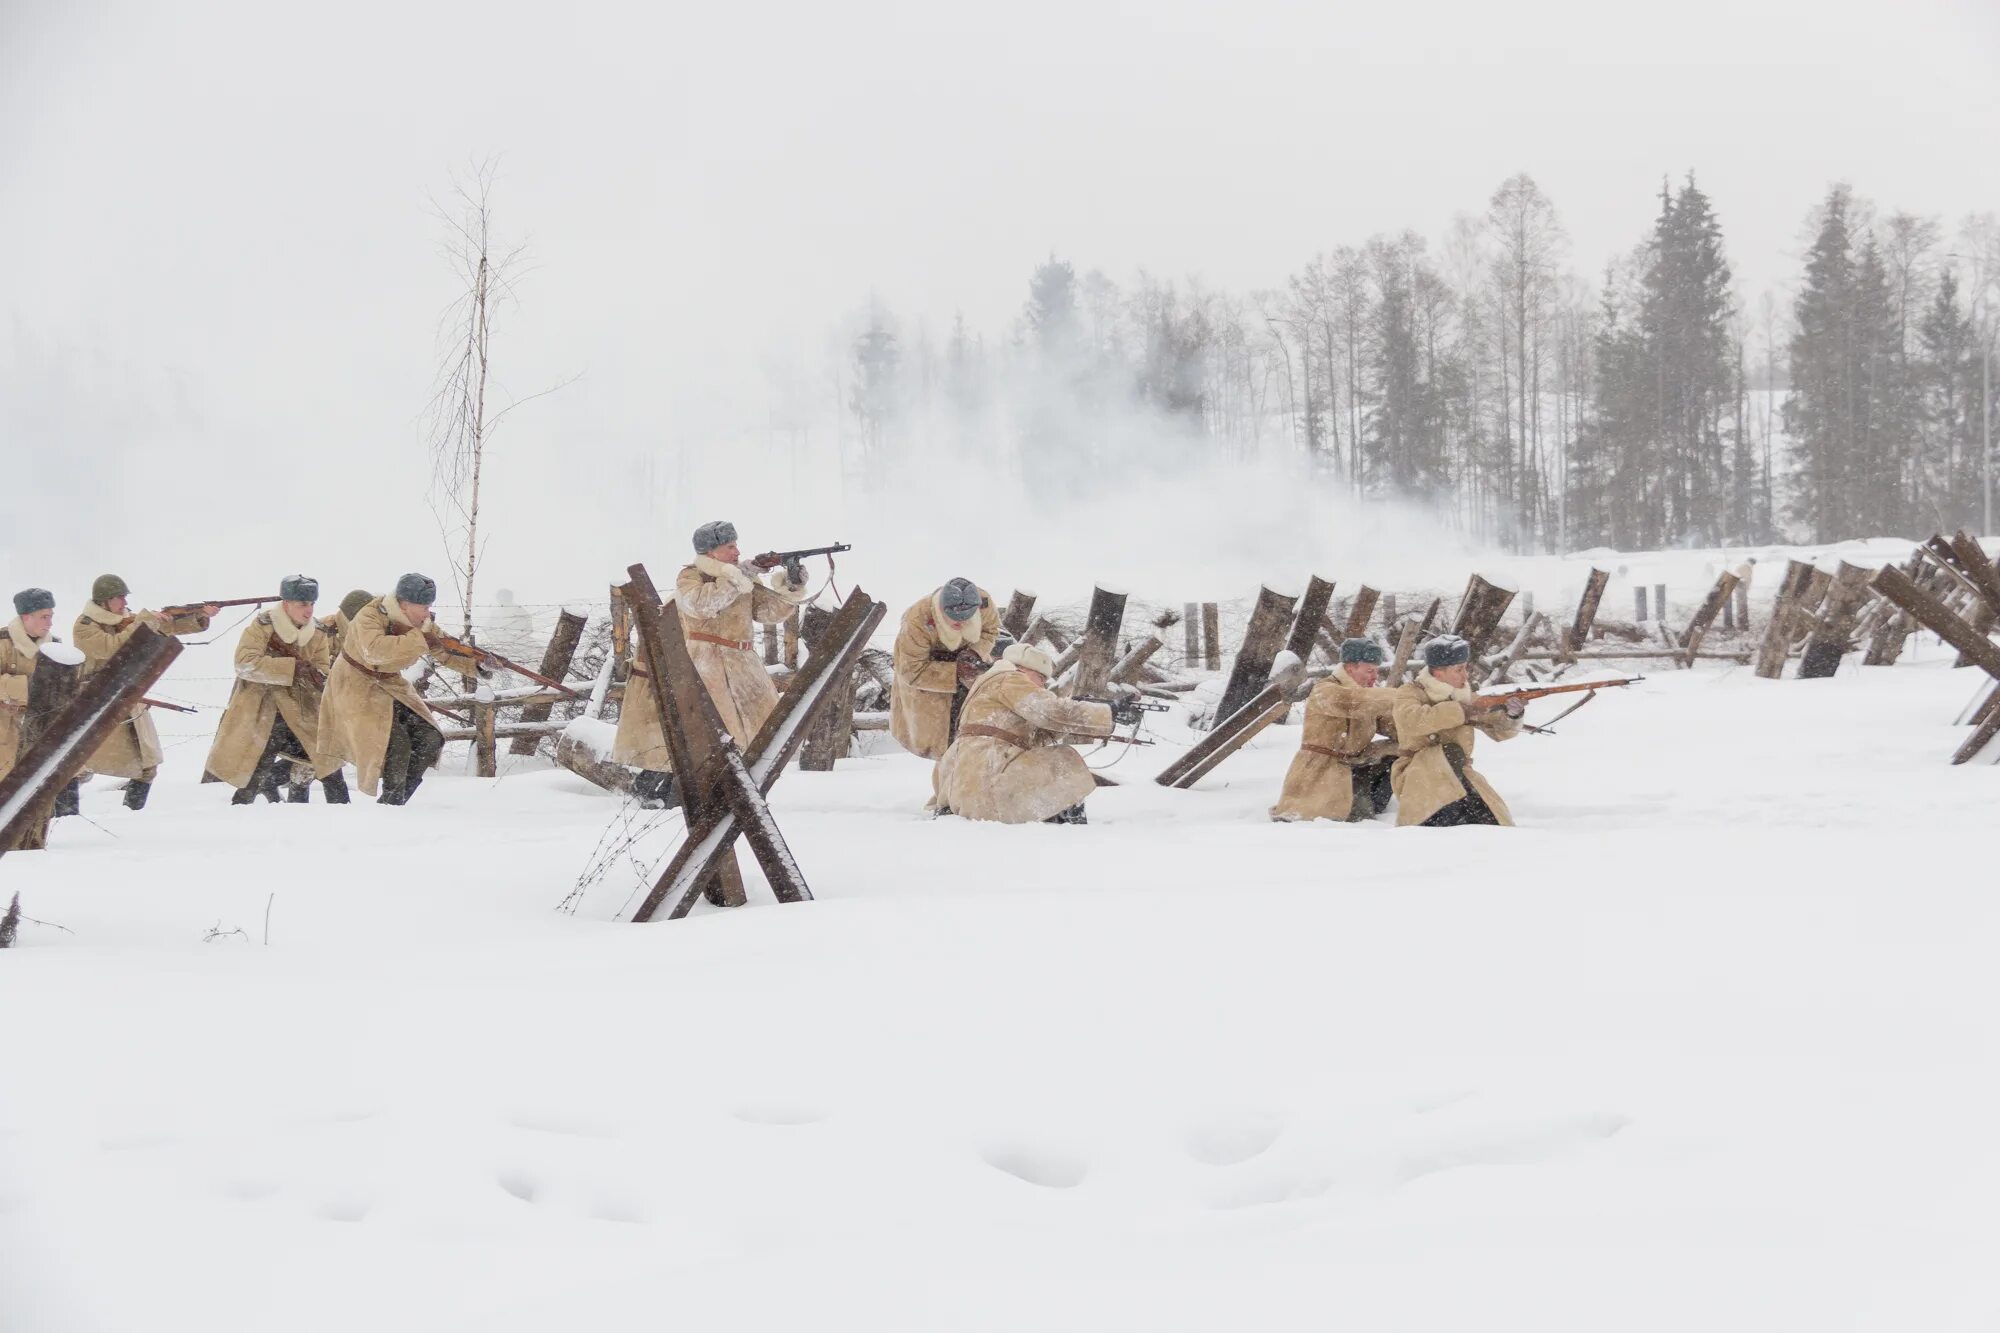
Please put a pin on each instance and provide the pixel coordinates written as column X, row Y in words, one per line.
column 1707, row 1043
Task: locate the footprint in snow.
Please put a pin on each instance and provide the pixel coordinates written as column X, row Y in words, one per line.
column 1049, row 1168
column 1229, row 1142
column 1508, row 1145
column 557, row 1123
column 345, row 1208
column 521, row 1185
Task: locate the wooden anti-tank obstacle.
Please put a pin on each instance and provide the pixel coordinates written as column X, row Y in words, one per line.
column 100, row 706
column 1270, row 623
column 1833, row 629
column 732, row 786
column 1233, row 732
column 54, row 683
column 1934, row 615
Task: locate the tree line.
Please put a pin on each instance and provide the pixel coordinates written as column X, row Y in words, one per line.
column 1484, row 379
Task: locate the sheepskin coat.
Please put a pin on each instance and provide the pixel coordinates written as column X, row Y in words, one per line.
column 926, row 664
column 1346, row 724
column 132, row 750
column 1028, row 773
column 1430, row 715
column 269, row 685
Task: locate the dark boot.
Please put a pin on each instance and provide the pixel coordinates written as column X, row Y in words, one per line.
column 136, row 792
column 68, row 802
column 1073, row 815
column 245, row 795
column 335, row 787
column 298, row 795
column 392, row 793
column 656, row 790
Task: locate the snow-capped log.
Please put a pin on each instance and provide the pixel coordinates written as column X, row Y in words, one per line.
column 1833, row 633
column 1363, row 611
column 1099, row 645
column 1586, row 611
column 1309, row 621
column 1270, row 624
column 1778, row 633
column 1479, row 612
column 1020, row 613
column 1718, row 597
column 102, row 704
column 1236, row 729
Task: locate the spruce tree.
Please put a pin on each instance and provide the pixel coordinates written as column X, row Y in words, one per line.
column 1820, row 411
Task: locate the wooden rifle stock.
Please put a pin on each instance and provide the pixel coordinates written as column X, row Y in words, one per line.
column 1534, row 692
column 277, row 647
column 487, row 655
column 192, row 608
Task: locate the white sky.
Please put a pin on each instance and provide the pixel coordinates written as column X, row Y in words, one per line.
column 217, row 252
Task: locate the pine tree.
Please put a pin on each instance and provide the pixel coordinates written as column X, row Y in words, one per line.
column 1949, row 407
column 1820, row 412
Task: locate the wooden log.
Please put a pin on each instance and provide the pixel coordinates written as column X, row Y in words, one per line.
column 54, row 683
column 1659, row 601
column 621, row 634
column 1972, row 559
column 1777, row 643
column 485, row 752
column 1098, row 649
column 1934, row 616
column 1834, row 633
column 1586, row 611
column 1126, row 670
column 1639, row 602
column 771, row 635
column 101, row 704
column 1270, row 623
column 1479, row 613
column 1981, row 737
column 692, row 728
column 508, row 730
column 1893, row 631
column 591, row 766
column 1719, row 597
column 871, row 721
column 1019, row 614
column 792, row 641
column 555, row 665
column 1406, row 644
column 1233, row 732
column 1190, row 633
column 1981, row 619
column 831, row 736
column 1429, row 621
column 1310, row 620
column 1211, row 635
column 1388, row 612
column 1363, row 610
column 1504, row 662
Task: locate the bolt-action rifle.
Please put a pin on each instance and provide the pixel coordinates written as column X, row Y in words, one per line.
column 487, row 657
column 1525, row 693
column 277, row 647
column 195, row 608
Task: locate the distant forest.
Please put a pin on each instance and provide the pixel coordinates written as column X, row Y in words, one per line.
column 1486, row 379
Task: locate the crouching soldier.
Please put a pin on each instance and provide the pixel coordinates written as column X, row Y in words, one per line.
column 132, row 751
column 269, row 734
column 1010, row 762
column 371, row 714
column 1342, row 768
column 945, row 643
column 720, row 597
column 1437, row 717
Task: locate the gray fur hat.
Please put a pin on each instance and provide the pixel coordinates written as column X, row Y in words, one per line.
column 417, row 588
column 30, row 600
column 1360, row 650
column 959, row 598
column 298, row 588
column 711, row 535
column 1447, row 650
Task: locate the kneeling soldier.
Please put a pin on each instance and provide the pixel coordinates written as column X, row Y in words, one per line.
column 1437, row 717
column 1010, row 762
column 1342, row 768
column 945, row 642
column 270, row 731
column 132, row 751
column 372, row 715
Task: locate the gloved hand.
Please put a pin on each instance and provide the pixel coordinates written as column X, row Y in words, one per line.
column 795, row 574
column 1515, row 706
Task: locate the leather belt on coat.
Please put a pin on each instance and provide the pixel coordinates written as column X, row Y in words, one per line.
column 992, row 733
column 699, row 636
column 367, row 670
column 1325, row 750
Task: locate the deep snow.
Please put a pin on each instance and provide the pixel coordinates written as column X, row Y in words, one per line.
column 1705, row 1043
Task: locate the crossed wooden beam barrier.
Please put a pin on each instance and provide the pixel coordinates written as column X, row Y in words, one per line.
column 66, row 740
column 724, row 789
